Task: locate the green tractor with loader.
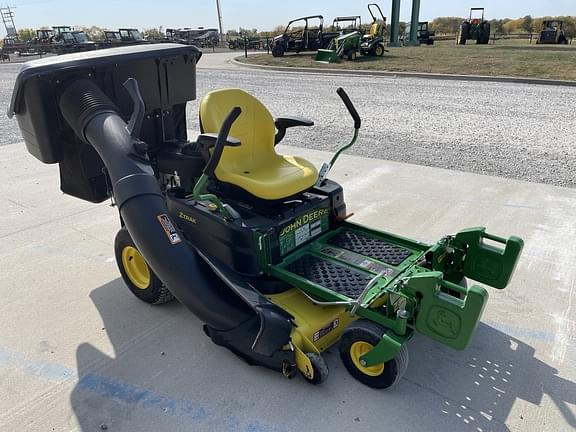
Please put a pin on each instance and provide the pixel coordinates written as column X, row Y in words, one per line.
column 257, row 244
column 475, row 28
column 351, row 43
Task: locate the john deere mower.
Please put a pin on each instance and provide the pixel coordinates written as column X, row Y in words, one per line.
column 477, row 29
column 255, row 243
column 373, row 42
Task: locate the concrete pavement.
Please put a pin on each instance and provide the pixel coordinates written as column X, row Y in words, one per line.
column 79, row 353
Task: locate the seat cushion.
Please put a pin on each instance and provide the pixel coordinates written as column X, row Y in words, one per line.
column 281, row 177
column 254, row 166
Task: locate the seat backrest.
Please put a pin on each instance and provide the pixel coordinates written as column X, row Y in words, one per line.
column 254, row 128
column 374, row 30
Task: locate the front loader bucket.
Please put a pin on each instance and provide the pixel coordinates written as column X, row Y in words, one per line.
column 327, row 56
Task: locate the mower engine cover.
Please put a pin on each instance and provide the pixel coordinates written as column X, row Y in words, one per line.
column 166, row 74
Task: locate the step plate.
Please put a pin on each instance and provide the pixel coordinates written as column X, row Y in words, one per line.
column 370, row 247
column 329, row 275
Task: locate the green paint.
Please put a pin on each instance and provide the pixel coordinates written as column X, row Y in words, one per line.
column 416, row 298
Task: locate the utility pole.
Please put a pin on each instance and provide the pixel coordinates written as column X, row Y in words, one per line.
column 219, row 9
column 414, row 23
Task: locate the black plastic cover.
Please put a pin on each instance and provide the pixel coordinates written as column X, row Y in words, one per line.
column 166, row 74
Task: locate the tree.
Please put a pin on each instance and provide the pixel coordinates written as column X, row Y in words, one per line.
column 528, row 24
column 249, row 33
column 446, row 25
column 497, row 25
column 92, row 32
column 26, row 34
column 153, row 33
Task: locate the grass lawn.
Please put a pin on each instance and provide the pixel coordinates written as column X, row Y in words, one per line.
column 505, row 58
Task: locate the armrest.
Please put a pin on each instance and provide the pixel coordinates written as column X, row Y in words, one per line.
column 208, row 140
column 283, row 123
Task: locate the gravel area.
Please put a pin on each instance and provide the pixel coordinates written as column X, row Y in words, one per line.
column 10, row 133
column 509, row 130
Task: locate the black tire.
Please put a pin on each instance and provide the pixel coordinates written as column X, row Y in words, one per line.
column 319, row 369
column 379, row 50
column 278, row 51
column 367, row 332
column 463, row 33
column 149, row 289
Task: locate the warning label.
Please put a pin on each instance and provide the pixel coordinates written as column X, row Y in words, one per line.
column 325, row 330
column 169, row 229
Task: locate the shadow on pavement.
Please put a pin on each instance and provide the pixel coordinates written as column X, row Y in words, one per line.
column 474, row 390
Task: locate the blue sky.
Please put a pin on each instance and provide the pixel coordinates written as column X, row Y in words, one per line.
column 260, row 14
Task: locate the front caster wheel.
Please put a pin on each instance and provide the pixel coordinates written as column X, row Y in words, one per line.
column 358, row 339
column 136, row 273
column 319, row 369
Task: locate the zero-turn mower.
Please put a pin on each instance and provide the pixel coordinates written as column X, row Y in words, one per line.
column 373, row 42
column 257, row 244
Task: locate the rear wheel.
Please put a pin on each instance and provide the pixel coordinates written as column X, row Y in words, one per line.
column 379, row 50
column 463, row 33
column 358, row 339
column 136, row 273
column 484, row 33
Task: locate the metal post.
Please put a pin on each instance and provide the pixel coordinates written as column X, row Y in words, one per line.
column 221, row 27
column 414, row 23
column 395, row 24
column 245, row 46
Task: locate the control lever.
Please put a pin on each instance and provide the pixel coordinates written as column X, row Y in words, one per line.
column 326, row 166
column 221, row 141
column 137, row 117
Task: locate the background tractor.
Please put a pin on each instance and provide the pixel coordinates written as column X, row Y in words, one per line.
column 476, row 28
column 350, row 41
column 552, row 33
column 347, row 24
column 423, row 34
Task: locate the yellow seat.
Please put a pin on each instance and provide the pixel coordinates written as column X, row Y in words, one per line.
column 254, row 166
column 374, row 31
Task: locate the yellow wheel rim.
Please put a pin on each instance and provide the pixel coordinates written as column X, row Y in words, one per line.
column 357, row 350
column 136, row 268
